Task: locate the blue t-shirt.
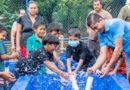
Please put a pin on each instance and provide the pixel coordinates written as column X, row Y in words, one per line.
column 114, row 29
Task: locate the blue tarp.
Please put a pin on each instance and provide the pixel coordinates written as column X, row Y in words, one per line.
column 54, row 82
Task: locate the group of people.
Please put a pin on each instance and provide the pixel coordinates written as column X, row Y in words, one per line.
column 107, row 51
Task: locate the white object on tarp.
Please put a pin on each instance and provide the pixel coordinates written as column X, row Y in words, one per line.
column 74, row 82
column 89, row 83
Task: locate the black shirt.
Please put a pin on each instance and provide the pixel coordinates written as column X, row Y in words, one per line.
column 27, row 27
column 80, row 52
column 34, row 62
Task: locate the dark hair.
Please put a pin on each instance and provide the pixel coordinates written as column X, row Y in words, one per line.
column 2, row 28
column 32, row 2
column 50, row 39
column 54, row 26
column 75, row 32
column 92, row 19
column 97, row 1
column 37, row 24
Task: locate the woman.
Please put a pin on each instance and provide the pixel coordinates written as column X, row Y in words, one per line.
column 24, row 27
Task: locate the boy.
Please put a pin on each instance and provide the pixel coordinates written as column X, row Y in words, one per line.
column 34, row 42
column 40, row 57
column 54, row 28
column 4, row 56
column 78, row 51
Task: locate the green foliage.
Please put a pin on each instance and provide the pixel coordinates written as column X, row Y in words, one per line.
column 71, row 13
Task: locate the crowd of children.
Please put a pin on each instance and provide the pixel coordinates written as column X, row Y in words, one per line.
column 40, row 50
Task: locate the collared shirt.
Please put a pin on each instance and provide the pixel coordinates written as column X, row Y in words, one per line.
column 27, row 27
column 115, row 29
column 33, row 43
column 2, row 51
column 106, row 15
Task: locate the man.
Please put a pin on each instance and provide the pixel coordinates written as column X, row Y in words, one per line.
column 113, row 33
column 93, row 42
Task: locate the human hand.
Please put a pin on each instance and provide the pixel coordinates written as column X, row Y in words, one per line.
column 91, row 70
column 61, row 64
column 105, row 71
column 8, row 76
column 65, row 75
column 14, row 55
column 113, row 72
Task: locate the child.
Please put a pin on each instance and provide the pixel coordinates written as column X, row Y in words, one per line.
column 3, row 51
column 34, row 42
column 5, row 56
column 78, row 51
column 40, row 57
column 54, row 28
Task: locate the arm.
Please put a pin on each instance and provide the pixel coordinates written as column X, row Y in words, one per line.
column 18, row 36
column 8, row 57
column 58, row 59
column 69, row 65
column 115, row 56
column 117, row 52
column 13, row 32
column 117, row 67
column 101, row 58
column 79, row 65
column 52, row 67
column 7, row 76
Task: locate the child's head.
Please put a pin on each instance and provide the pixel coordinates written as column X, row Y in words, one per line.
column 39, row 29
column 55, row 28
column 74, row 37
column 50, row 42
column 3, row 33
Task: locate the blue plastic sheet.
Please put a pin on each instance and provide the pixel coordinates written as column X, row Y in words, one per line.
column 54, row 82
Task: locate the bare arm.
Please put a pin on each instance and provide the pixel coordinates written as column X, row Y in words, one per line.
column 69, row 65
column 8, row 57
column 117, row 52
column 101, row 58
column 56, row 57
column 117, row 66
column 53, row 67
column 79, row 65
column 18, row 36
column 13, row 32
